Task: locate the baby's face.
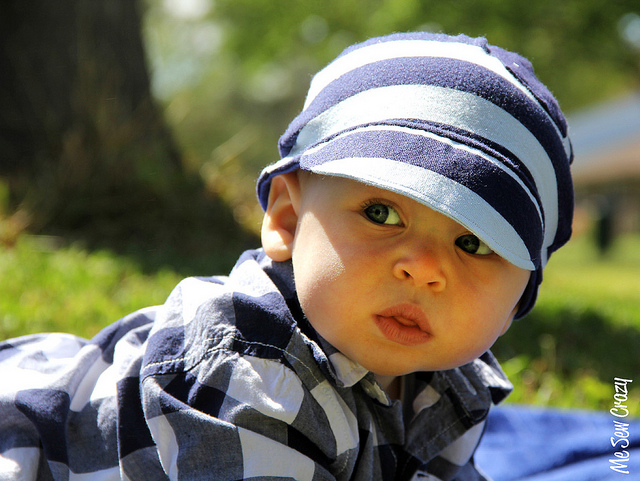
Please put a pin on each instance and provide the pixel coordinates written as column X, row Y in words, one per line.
column 395, row 285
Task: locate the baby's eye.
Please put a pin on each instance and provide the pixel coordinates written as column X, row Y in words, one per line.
column 382, row 214
column 473, row 245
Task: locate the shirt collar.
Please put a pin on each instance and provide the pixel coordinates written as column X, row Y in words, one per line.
column 348, row 373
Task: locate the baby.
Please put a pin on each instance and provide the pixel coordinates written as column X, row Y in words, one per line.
column 418, row 198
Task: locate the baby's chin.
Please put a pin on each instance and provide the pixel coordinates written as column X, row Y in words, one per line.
column 382, row 368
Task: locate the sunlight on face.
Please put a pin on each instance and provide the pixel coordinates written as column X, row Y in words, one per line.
column 395, row 285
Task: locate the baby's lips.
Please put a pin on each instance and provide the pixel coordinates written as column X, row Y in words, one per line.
column 408, row 315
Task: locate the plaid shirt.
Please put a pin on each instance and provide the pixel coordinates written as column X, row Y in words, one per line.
column 228, row 381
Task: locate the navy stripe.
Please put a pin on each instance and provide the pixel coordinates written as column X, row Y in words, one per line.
column 165, row 352
column 252, row 314
column 491, row 183
column 47, row 409
column 440, row 72
column 185, row 390
column 133, row 432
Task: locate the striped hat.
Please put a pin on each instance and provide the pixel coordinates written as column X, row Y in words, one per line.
column 452, row 122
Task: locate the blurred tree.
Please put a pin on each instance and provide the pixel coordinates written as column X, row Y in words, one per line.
column 231, row 113
column 571, row 42
column 82, row 143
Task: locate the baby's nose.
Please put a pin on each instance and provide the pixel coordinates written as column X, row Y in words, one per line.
column 423, row 266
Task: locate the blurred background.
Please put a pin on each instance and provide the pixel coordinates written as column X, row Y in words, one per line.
column 132, row 132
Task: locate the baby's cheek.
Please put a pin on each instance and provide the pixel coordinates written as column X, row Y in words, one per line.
column 321, row 285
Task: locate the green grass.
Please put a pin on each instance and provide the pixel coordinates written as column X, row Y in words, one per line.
column 584, row 331
column 578, row 278
column 46, row 288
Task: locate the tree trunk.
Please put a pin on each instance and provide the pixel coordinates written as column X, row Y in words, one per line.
column 83, row 147
column 78, row 122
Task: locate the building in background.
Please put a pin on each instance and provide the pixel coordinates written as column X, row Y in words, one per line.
column 606, row 168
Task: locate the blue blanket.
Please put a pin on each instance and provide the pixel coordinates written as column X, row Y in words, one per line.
column 529, row 444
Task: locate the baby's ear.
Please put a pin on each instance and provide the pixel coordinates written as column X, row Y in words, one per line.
column 281, row 217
